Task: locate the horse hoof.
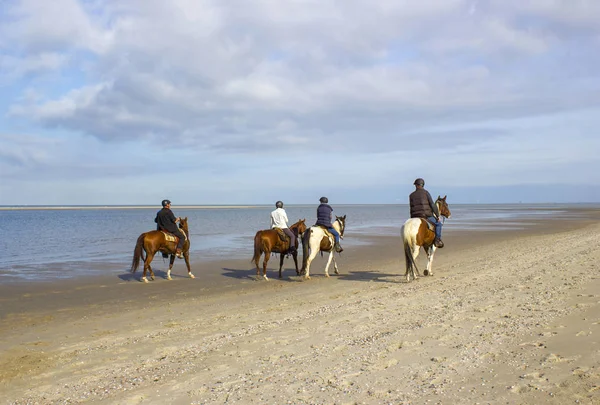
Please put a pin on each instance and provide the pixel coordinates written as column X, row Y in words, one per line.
column 425, row 272
column 152, row 278
column 192, row 276
column 144, row 279
column 169, row 278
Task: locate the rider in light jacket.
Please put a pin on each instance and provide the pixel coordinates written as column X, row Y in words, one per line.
column 279, row 219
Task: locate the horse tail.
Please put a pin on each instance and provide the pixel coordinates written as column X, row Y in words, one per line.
column 257, row 247
column 137, row 253
column 408, row 240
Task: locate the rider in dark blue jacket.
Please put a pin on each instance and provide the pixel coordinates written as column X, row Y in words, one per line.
column 324, row 216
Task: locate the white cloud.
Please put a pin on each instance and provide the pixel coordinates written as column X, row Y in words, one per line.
column 368, row 81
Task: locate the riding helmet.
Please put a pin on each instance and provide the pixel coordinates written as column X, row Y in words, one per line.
column 323, row 200
column 279, row 204
column 165, row 203
column 419, row 182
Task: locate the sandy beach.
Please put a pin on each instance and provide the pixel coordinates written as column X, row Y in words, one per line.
column 507, row 318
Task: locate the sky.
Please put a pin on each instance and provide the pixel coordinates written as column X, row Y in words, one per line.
column 252, row 101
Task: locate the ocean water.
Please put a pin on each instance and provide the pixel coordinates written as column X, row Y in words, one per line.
column 46, row 244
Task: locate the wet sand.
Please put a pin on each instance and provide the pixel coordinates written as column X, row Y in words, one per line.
column 508, row 317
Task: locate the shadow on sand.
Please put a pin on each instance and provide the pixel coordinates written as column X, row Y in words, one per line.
column 158, row 275
column 251, row 274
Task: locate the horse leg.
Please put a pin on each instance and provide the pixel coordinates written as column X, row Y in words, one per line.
column 265, row 261
column 186, row 257
column 414, row 270
column 171, row 261
column 311, row 256
column 256, row 262
column 295, row 256
column 281, row 257
column 430, row 252
column 335, row 265
column 149, row 257
column 328, row 263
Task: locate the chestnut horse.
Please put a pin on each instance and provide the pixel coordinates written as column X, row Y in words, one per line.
column 268, row 241
column 315, row 240
column 156, row 241
column 416, row 234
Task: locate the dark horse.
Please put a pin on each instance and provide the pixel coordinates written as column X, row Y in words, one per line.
column 268, row 241
column 156, row 241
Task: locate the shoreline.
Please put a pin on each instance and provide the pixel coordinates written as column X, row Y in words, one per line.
column 214, row 276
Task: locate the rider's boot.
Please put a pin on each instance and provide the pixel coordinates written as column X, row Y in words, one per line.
column 338, row 248
column 165, row 255
column 179, row 254
column 292, row 250
column 438, row 243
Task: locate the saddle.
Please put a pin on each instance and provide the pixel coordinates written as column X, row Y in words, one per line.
column 430, row 225
column 282, row 236
column 326, row 232
column 172, row 238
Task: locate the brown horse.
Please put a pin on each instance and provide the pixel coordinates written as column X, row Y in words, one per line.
column 416, row 233
column 268, row 241
column 156, row 241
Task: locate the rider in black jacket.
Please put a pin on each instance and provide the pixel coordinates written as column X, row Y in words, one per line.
column 167, row 222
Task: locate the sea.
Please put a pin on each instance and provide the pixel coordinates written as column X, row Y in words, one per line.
column 50, row 243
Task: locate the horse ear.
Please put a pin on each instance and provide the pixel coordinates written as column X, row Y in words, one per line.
column 444, row 198
column 344, row 217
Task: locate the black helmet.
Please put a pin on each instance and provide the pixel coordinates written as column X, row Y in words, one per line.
column 165, row 203
column 323, row 200
column 279, row 204
column 419, row 182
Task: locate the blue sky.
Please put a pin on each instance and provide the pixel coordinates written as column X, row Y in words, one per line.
column 253, row 101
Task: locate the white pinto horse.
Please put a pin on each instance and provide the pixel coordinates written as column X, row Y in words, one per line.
column 316, row 240
column 416, row 233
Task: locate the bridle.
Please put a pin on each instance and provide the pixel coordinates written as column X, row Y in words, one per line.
column 438, row 203
column 342, row 226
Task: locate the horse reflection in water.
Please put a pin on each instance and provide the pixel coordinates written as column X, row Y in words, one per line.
column 156, row 241
column 416, row 233
column 269, row 241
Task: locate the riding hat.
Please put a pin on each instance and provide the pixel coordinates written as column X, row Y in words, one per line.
column 279, row 204
column 323, row 200
column 165, row 203
column 419, row 182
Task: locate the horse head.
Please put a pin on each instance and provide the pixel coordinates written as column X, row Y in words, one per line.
column 183, row 224
column 300, row 226
column 342, row 222
column 443, row 206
